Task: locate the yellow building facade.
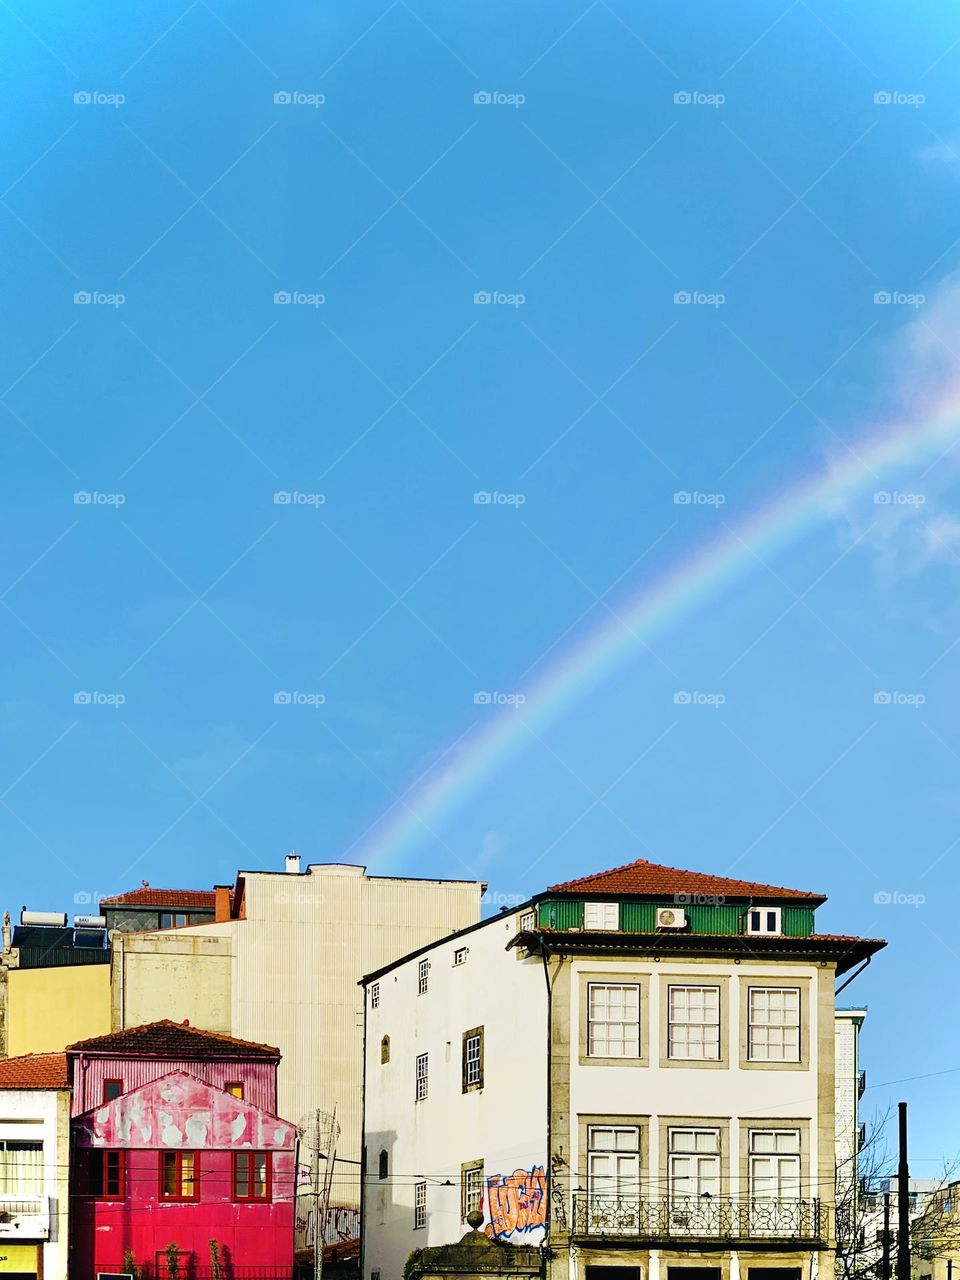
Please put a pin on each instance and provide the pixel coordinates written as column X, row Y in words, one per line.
column 47, row 1009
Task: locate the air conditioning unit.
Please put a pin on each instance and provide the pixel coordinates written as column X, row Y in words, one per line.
column 671, row 918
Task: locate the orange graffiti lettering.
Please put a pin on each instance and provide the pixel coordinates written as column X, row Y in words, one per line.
column 517, row 1202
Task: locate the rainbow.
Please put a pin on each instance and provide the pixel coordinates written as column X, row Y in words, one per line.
column 663, row 602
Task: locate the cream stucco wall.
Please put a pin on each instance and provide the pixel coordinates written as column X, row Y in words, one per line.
column 42, row 1115
column 48, row 1009
column 182, row 974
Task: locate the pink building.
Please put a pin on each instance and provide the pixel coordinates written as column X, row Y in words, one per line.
column 179, row 1162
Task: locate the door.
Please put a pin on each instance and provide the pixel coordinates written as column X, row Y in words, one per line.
column 613, row 1178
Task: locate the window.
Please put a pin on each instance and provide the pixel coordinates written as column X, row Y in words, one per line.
column 471, row 1188
column 774, row 1164
column 384, row 1050
column 613, row 1164
column 460, row 956
column 172, row 919
column 423, row 977
column 235, row 1089
column 694, row 1164
column 112, row 1089
column 601, row 915
column 763, row 920
column 693, row 1030
column 374, row 1275
column 613, row 1020
column 419, row 1205
column 105, row 1174
column 21, row 1168
column 179, row 1175
column 423, row 1075
column 383, row 1164
column 375, row 995
column 252, row 1175
column 472, row 1059
column 773, row 1024
column 528, row 921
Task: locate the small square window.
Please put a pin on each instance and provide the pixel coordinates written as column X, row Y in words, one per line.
column 375, row 995
column 460, row 956
column 601, row 915
column 112, row 1089
column 763, row 920
column 235, row 1089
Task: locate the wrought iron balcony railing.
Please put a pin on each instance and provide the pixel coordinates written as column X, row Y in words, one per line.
column 697, row 1218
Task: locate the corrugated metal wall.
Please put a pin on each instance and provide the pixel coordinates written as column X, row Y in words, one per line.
column 702, row 917
column 90, row 1073
column 561, row 913
column 797, row 921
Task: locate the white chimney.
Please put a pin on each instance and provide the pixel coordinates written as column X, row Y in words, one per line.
column 292, row 862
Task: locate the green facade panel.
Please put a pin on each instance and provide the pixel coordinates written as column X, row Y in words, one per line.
column 702, row 917
column 797, row 922
column 638, row 917
column 561, row 913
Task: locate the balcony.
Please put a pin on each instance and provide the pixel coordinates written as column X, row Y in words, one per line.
column 861, row 1084
column 707, row 1219
column 24, row 1218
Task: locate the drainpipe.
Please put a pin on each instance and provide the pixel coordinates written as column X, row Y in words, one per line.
column 549, row 1214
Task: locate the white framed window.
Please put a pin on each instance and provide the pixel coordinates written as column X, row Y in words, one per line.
column 473, row 1059
column 460, row 956
column 423, row 977
column 601, row 915
column 419, row 1205
column 21, row 1167
column 694, row 1163
column 423, row 1077
column 773, row 1024
column 471, row 1188
column 764, row 920
column 613, row 1160
column 528, row 921
column 613, row 1020
column 375, row 995
column 693, row 1026
column 774, row 1164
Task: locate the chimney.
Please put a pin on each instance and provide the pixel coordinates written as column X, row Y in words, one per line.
column 221, row 902
column 6, row 931
column 292, row 864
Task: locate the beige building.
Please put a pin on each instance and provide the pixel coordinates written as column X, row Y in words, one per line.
column 281, row 964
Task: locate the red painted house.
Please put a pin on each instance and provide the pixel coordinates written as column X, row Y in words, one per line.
column 175, row 1143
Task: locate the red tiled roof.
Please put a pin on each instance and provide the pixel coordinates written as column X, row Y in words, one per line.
column 654, row 880
column 166, row 1039
column 35, row 1071
column 199, row 899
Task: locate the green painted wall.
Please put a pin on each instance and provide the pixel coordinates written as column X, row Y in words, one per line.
column 703, row 917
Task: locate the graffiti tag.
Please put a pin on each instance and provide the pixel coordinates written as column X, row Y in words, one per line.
column 517, row 1202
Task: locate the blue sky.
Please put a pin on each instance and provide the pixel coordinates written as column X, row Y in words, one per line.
column 582, row 197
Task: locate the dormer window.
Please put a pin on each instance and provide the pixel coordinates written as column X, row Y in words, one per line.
column 528, row 921
column 763, row 920
column 601, row 915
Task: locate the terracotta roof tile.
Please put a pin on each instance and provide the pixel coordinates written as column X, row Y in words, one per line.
column 166, row 1039
column 651, row 879
column 199, row 899
column 35, row 1071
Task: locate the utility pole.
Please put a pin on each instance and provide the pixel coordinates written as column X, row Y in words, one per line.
column 903, row 1201
column 885, row 1261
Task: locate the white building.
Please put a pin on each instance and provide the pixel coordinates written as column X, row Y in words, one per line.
column 636, row 1069
column 34, row 1159
column 849, row 1084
